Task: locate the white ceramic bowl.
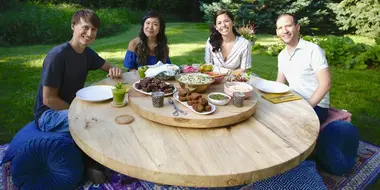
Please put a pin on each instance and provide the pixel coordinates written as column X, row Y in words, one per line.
column 219, row 102
column 231, row 87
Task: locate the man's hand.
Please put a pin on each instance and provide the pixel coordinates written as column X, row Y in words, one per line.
column 115, row 72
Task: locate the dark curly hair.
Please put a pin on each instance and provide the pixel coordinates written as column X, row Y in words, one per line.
column 215, row 37
column 161, row 51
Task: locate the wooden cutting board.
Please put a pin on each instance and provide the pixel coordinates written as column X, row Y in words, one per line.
column 223, row 115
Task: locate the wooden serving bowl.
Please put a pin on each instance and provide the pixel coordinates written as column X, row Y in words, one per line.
column 191, row 87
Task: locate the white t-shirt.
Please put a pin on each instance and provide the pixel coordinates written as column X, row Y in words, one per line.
column 240, row 56
column 300, row 68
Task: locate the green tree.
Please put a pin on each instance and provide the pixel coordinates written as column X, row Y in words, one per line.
column 361, row 16
column 314, row 15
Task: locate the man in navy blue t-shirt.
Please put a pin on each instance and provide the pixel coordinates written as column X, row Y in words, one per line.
column 64, row 72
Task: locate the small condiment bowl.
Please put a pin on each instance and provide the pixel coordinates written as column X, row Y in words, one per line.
column 219, row 102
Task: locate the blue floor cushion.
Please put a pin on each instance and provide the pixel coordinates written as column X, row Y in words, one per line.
column 337, row 147
column 44, row 160
column 305, row 176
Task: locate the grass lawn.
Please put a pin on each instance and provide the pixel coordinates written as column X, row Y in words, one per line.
column 20, row 69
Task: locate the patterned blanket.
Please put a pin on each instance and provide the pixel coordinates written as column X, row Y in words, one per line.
column 366, row 172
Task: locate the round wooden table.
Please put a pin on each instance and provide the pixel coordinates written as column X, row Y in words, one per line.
column 276, row 138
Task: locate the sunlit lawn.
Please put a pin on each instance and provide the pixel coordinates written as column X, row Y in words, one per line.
column 20, row 68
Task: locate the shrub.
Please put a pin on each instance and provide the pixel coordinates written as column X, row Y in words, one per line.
column 371, row 57
column 274, row 50
column 174, row 9
column 43, row 24
column 248, row 32
column 35, row 24
column 340, row 51
column 117, row 20
column 258, row 49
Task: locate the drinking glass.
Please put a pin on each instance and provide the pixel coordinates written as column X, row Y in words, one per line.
column 238, row 99
column 158, row 99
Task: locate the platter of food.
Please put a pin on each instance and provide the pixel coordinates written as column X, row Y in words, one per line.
column 240, row 77
column 195, row 102
column 148, row 85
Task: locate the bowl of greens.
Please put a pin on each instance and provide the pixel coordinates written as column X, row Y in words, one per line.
column 218, row 98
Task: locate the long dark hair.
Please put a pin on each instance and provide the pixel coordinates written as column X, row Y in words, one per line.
column 161, row 51
column 215, row 37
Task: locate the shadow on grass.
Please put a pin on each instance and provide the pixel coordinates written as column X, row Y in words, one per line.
column 19, row 85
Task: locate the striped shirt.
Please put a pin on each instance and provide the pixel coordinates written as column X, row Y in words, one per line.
column 240, row 56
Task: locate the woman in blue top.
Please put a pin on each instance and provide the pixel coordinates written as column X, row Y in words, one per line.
column 151, row 46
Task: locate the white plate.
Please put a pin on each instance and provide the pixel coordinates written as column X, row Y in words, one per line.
column 175, row 96
column 150, row 93
column 271, row 86
column 95, row 93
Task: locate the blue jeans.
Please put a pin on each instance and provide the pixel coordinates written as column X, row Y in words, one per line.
column 322, row 114
column 337, row 146
column 54, row 121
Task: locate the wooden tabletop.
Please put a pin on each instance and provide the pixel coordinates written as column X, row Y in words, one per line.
column 276, row 138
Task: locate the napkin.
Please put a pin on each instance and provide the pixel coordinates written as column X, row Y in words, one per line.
column 279, row 98
column 159, row 67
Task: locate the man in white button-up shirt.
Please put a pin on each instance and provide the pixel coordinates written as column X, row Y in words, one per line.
column 303, row 65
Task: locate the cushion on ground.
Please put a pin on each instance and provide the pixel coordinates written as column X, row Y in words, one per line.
column 365, row 173
column 337, row 147
column 44, row 160
column 304, row 176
